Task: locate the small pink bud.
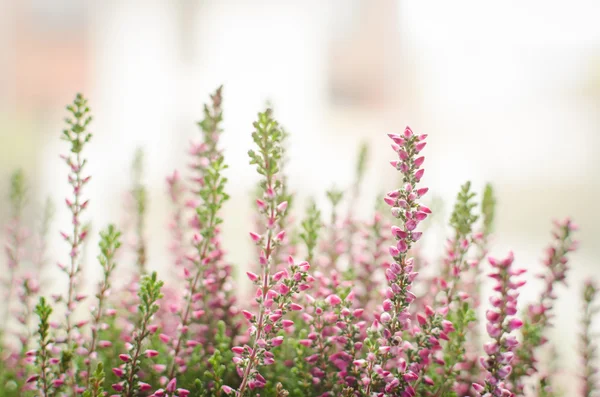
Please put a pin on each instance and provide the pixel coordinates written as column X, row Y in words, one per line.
column 279, row 275
column 396, row 138
column 282, row 206
column 389, row 201
column 514, row 324
column 295, row 307
column 402, row 246
column 255, row 237
column 32, row 378
column 124, row 358
column 333, row 300
column 385, row 317
column 420, row 146
column 283, row 289
column 164, row 338
column 151, row 353
column 144, row 386
column 478, row 388
column 171, row 386
column 421, row 192
column 280, row 236
column 277, row 341
column 410, row 225
column 419, row 174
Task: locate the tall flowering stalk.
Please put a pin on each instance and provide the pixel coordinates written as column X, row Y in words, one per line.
column 410, row 213
column 501, row 323
column 275, row 292
column 28, row 292
column 589, row 348
column 209, row 165
column 539, row 315
column 149, row 295
column 109, row 244
column 47, row 381
column 77, row 136
column 454, row 299
column 396, row 317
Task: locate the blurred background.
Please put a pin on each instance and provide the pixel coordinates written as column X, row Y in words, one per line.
column 508, row 93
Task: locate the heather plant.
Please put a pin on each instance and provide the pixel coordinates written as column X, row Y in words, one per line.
column 339, row 305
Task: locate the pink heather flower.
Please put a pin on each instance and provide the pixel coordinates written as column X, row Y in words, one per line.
column 499, row 326
column 333, row 300
column 262, row 206
column 164, row 338
column 287, row 323
column 280, row 236
column 282, row 206
column 151, row 353
column 124, row 357
column 118, row 372
column 247, row 314
column 255, row 237
column 237, row 349
column 385, row 318
column 144, row 386
column 171, row 386
column 514, row 324
column 540, row 313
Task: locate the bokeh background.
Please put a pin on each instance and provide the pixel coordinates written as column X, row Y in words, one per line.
column 508, row 92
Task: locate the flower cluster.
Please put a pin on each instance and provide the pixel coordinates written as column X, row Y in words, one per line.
column 358, row 321
column 501, row 322
column 539, row 315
